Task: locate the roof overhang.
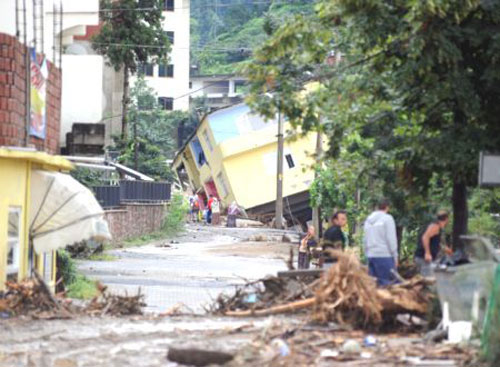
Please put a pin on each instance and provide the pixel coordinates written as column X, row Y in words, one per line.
column 48, row 161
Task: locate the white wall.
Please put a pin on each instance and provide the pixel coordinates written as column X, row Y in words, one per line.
column 82, row 85
column 178, row 86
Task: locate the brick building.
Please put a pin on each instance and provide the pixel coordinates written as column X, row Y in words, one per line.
column 13, row 122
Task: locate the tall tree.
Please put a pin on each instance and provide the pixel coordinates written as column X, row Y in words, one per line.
column 131, row 34
column 428, row 70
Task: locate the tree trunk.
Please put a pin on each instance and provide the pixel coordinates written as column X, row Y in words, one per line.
column 399, row 235
column 125, row 101
column 136, row 147
column 460, row 211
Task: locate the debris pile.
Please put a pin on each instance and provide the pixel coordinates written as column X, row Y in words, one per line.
column 115, row 305
column 253, row 297
column 31, row 297
column 348, row 295
column 324, row 346
column 345, row 294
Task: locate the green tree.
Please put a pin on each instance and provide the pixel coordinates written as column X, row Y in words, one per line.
column 419, row 80
column 131, row 34
column 154, row 133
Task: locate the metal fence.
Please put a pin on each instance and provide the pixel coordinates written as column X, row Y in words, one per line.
column 132, row 191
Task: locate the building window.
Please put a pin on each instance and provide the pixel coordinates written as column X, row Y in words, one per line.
column 222, row 184
column 289, row 161
column 14, row 240
column 145, row 69
column 166, row 70
column 170, row 36
column 207, row 140
column 48, row 266
column 166, row 103
column 168, row 5
column 190, row 85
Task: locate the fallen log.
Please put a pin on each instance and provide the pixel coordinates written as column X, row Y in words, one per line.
column 301, row 273
column 289, row 307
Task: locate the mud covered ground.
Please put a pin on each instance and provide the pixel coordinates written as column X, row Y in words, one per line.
column 185, row 274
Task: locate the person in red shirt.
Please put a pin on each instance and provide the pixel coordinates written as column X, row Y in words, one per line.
column 209, row 206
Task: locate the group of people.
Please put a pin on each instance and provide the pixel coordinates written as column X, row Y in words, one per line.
column 210, row 211
column 380, row 244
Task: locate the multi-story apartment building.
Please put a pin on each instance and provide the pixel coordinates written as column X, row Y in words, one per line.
column 220, row 90
column 171, row 81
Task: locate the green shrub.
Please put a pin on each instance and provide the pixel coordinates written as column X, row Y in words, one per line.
column 77, row 285
column 66, row 268
column 175, row 216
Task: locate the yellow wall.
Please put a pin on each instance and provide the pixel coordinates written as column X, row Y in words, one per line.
column 248, row 165
column 13, row 188
column 252, row 173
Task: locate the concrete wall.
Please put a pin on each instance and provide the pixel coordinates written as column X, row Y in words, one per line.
column 133, row 220
column 12, row 99
column 82, row 84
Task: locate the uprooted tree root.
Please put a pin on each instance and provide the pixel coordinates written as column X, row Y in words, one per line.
column 345, row 294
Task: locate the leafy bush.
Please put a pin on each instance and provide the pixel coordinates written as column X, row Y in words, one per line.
column 77, row 285
column 66, row 268
column 176, row 215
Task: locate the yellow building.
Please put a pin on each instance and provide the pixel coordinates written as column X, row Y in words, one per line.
column 233, row 155
column 16, row 256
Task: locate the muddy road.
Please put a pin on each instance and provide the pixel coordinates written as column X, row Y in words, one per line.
column 193, row 268
column 190, row 269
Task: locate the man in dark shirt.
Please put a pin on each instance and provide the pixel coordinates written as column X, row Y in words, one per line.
column 429, row 244
column 334, row 238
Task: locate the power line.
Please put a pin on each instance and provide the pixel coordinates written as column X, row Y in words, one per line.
column 241, row 49
column 216, row 6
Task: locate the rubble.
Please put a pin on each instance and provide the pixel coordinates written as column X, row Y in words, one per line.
column 309, row 347
column 116, row 305
column 32, row 297
column 345, row 294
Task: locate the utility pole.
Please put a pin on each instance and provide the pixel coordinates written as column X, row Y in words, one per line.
column 316, row 215
column 279, row 176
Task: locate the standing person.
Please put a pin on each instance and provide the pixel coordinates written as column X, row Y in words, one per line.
column 232, row 212
column 196, row 208
column 333, row 238
column 429, row 244
column 305, row 248
column 209, row 208
column 215, row 212
column 381, row 244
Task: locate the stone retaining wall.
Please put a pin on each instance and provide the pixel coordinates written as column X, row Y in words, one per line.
column 134, row 219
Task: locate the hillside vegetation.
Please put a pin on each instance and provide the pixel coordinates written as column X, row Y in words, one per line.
column 223, row 33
